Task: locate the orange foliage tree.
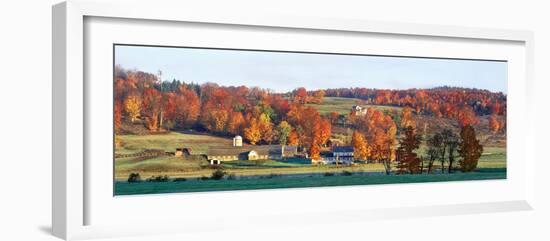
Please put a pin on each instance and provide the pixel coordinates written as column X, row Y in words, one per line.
column 323, row 131
column 236, row 123
column 494, row 124
column 187, row 107
column 359, row 143
column 292, row 138
column 151, row 105
column 252, row 132
column 407, row 119
column 466, row 116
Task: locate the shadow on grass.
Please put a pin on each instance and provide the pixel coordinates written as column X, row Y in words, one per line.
column 491, row 170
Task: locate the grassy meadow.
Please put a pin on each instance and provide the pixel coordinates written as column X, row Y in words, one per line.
column 343, row 105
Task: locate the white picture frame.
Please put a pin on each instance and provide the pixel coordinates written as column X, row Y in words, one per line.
column 72, row 192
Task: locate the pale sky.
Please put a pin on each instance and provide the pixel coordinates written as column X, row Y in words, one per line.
column 283, row 71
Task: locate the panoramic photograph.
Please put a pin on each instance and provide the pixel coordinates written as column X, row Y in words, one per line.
column 203, row 119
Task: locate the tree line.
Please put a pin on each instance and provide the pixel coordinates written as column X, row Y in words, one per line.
column 463, row 104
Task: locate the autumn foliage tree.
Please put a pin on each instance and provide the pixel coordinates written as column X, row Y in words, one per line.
column 169, row 113
column 407, row 119
column 187, row 107
column 380, row 132
column 323, row 131
column 292, row 138
column 470, row 149
column 150, row 109
column 360, row 151
column 266, row 128
column 494, row 124
column 117, row 118
column 316, row 97
column 236, row 123
column 466, row 116
column 252, row 132
column 315, row 151
column 132, row 106
column 300, row 96
column 407, row 160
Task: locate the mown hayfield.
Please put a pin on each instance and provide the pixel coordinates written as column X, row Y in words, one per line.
column 169, row 142
column 342, row 105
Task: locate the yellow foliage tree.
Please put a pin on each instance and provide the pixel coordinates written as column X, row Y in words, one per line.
column 266, row 128
column 132, row 106
column 252, row 132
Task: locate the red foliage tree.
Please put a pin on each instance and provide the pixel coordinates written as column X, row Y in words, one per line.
column 236, row 123
column 151, row 105
column 300, row 95
column 117, row 117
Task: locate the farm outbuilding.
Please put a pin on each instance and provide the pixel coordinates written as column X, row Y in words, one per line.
column 261, row 152
column 182, row 152
column 237, row 141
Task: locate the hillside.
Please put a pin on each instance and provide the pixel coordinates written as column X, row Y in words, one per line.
column 342, row 106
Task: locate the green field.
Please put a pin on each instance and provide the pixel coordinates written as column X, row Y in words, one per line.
column 125, row 188
column 342, row 105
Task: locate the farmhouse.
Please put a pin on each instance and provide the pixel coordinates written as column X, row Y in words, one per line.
column 343, row 153
column 218, row 154
column 358, row 110
column 338, row 155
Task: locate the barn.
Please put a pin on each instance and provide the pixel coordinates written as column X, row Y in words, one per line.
column 217, row 155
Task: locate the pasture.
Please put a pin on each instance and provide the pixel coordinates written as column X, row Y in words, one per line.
column 343, row 105
column 169, row 142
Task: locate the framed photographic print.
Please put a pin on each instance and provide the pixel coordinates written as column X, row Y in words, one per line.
column 280, row 118
column 257, row 119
